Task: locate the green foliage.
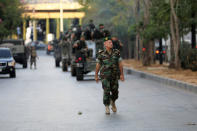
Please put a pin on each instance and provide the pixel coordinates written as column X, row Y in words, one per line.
column 188, row 57
column 10, row 14
column 158, row 26
column 116, row 15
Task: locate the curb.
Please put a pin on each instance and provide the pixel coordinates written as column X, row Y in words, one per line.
column 163, row 80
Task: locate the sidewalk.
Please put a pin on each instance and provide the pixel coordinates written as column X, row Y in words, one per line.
column 183, row 79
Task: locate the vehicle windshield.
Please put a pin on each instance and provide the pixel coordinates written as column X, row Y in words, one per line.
column 5, row 54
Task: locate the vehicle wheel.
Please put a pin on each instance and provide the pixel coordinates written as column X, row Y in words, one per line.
column 69, row 63
column 79, row 75
column 64, row 66
column 57, row 63
column 13, row 74
column 25, row 64
column 73, row 71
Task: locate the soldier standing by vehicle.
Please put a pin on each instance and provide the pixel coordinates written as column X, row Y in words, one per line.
column 117, row 44
column 65, row 53
column 80, row 44
column 98, row 36
column 91, row 25
column 109, row 64
column 33, row 56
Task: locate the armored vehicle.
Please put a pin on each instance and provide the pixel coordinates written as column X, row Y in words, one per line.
column 83, row 61
column 62, row 53
column 18, row 50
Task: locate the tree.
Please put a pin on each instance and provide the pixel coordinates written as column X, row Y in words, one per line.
column 10, row 17
column 116, row 15
column 149, row 20
column 137, row 37
column 144, row 43
column 193, row 23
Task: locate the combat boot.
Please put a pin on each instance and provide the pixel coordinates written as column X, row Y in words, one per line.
column 114, row 109
column 107, row 111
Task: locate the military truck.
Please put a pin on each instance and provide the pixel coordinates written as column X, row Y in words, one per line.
column 62, row 53
column 18, row 49
column 83, row 62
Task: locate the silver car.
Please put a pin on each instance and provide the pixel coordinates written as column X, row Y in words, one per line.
column 7, row 62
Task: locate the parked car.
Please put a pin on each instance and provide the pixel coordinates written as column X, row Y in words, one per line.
column 39, row 45
column 7, row 62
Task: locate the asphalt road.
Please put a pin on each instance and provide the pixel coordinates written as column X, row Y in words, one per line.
column 47, row 99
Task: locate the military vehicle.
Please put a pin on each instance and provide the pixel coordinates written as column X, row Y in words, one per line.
column 18, row 50
column 83, row 62
column 62, row 53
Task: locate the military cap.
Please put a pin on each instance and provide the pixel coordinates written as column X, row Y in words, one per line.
column 107, row 38
column 101, row 24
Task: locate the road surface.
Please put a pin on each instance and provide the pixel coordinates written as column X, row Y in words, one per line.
column 47, row 99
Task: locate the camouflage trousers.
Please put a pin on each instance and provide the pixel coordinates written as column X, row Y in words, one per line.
column 110, row 88
column 33, row 61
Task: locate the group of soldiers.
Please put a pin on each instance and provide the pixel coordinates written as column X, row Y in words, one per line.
column 107, row 55
column 109, row 62
column 79, row 38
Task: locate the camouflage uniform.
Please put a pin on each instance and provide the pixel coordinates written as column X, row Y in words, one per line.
column 99, row 45
column 33, row 57
column 109, row 74
column 66, row 49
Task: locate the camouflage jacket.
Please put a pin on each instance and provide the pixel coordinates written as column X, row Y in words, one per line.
column 65, row 47
column 109, row 64
column 33, row 53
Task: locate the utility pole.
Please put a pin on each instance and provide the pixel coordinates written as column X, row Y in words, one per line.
column 61, row 18
column 160, row 52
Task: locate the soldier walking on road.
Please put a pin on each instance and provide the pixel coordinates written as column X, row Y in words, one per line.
column 110, row 66
column 33, row 56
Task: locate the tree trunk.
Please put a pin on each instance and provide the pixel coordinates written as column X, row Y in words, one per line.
column 172, row 65
column 140, row 48
column 175, row 34
column 129, row 47
column 160, row 52
column 148, row 56
column 137, row 47
column 193, row 26
column 137, row 43
column 193, row 30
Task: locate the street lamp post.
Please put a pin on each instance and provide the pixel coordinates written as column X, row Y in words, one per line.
column 34, row 26
column 61, row 18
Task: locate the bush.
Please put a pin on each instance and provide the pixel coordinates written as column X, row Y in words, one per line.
column 188, row 57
